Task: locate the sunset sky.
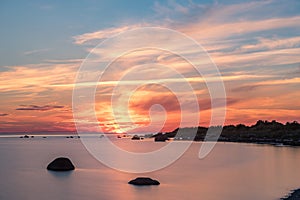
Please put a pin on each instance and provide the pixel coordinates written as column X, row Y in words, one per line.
column 254, row 44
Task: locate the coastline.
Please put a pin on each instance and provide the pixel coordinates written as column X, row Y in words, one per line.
column 263, row 132
column 294, row 195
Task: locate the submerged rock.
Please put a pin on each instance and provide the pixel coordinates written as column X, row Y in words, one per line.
column 143, row 181
column 61, row 164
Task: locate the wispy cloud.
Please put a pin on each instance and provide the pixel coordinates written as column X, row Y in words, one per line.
column 102, row 34
column 230, row 29
column 244, row 40
column 236, row 35
column 255, row 44
column 38, row 77
column 272, row 43
column 36, row 51
column 208, row 23
column 39, row 108
column 253, row 86
column 64, row 61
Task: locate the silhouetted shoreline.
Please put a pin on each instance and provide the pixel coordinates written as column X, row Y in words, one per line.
column 295, row 195
column 263, row 132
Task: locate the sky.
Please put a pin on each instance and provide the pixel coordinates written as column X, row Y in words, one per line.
column 254, row 44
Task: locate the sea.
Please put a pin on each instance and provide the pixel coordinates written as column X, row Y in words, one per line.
column 231, row 171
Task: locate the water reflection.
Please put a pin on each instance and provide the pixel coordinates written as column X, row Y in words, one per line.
column 230, row 172
column 60, row 174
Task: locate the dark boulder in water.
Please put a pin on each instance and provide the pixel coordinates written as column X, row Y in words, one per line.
column 61, row 164
column 143, row 181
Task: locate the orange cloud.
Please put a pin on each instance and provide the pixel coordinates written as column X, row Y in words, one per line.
column 258, row 72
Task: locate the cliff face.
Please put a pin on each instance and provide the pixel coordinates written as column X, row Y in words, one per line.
column 261, row 132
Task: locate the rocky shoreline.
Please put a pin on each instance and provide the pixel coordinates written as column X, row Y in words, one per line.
column 263, row 132
column 295, row 195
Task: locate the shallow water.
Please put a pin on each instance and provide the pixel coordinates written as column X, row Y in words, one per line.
column 231, row 171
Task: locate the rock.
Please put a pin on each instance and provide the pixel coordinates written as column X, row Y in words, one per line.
column 143, row 181
column 135, row 137
column 161, row 138
column 293, row 196
column 61, row 164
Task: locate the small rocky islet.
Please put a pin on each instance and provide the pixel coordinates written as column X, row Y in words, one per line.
column 143, row 181
column 61, row 164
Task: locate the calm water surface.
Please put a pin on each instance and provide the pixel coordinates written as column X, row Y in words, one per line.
column 231, row 171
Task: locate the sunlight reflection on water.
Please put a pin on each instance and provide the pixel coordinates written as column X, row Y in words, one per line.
column 231, row 171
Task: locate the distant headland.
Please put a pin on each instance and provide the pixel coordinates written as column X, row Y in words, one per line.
column 265, row 132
